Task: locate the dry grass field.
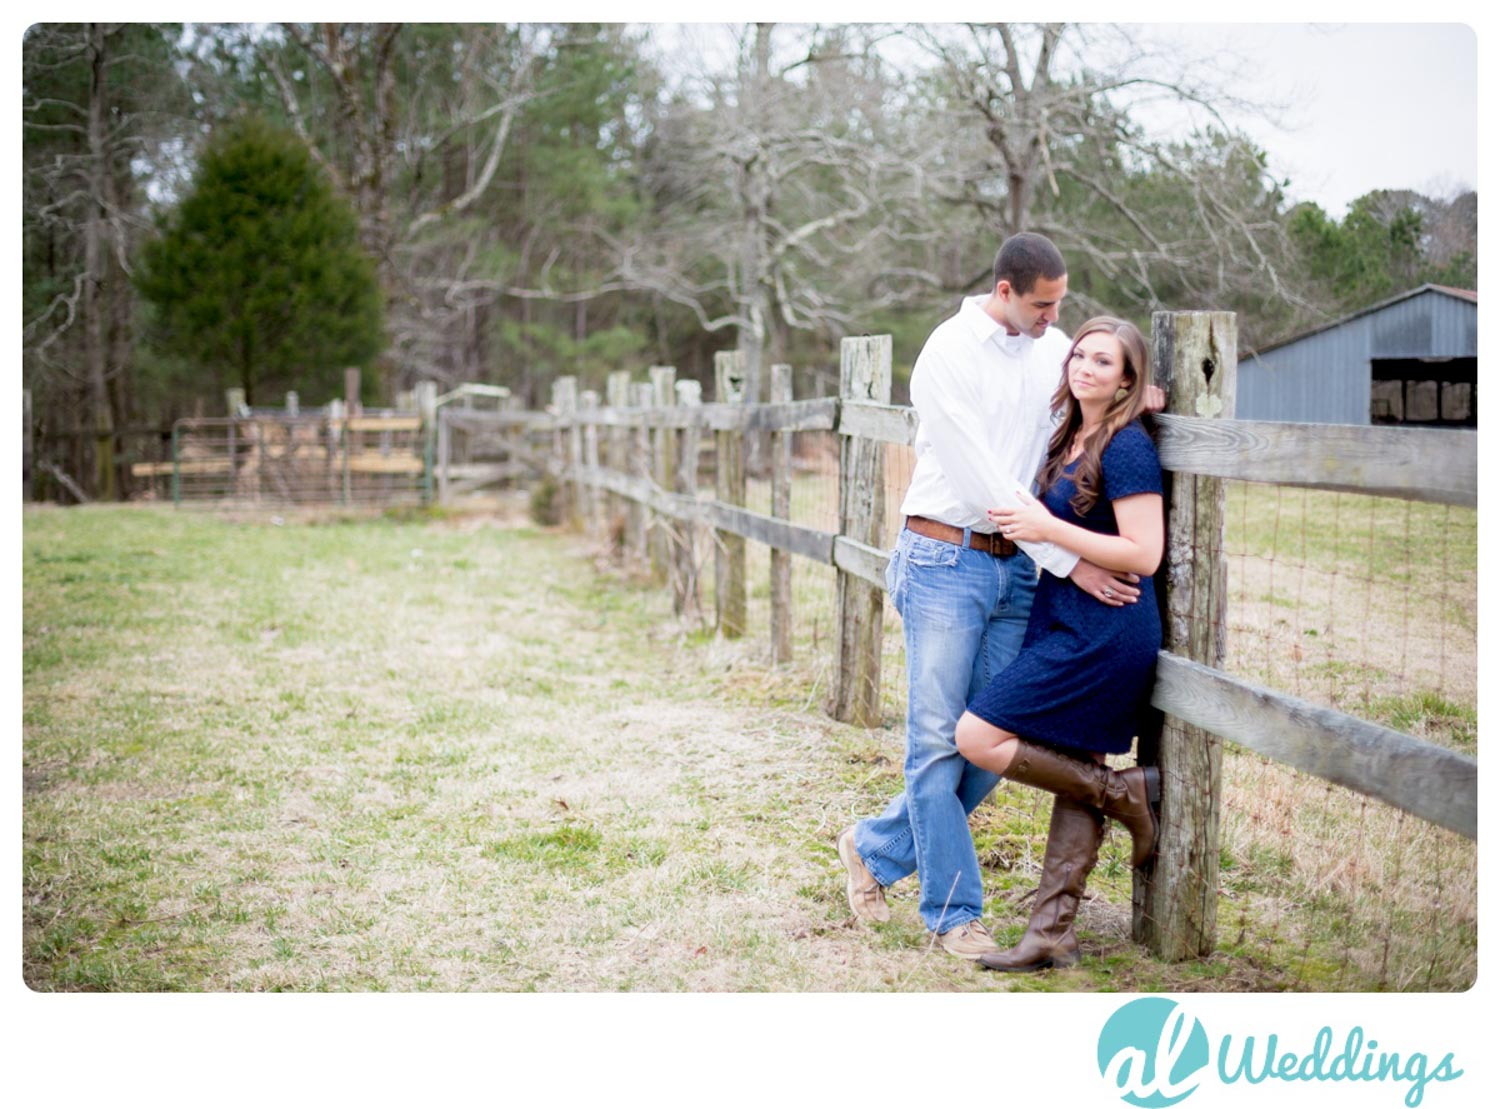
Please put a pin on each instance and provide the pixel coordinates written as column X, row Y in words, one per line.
column 429, row 751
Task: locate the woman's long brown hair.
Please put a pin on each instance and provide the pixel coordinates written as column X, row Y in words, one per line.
column 1125, row 408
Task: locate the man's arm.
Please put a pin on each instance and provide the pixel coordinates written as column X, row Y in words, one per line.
column 949, row 406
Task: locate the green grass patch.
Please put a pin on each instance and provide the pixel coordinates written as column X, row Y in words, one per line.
column 573, row 847
column 1432, row 717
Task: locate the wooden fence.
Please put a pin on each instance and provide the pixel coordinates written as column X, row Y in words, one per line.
column 638, row 455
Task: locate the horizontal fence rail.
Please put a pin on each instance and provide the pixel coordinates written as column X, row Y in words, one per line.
column 884, row 423
column 630, row 469
column 802, row 415
column 1421, row 778
column 1415, row 464
column 798, row 539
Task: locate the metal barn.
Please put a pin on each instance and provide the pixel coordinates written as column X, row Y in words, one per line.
column 1412, row 359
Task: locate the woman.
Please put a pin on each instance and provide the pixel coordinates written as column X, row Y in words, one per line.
column 1085, row 670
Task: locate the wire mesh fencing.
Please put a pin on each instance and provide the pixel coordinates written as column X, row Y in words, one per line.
column 1363, row 604
column 1367, row 605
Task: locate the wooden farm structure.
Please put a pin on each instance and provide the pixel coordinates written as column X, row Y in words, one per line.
column 340, row 454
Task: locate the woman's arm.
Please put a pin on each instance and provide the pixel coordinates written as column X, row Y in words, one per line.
column 1136, row 550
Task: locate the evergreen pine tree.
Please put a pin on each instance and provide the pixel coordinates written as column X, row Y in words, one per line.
column 258, row 276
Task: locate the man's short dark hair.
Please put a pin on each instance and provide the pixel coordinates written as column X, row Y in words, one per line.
column 1025, row 257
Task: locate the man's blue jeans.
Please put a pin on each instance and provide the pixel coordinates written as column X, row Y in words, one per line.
column 964, row 616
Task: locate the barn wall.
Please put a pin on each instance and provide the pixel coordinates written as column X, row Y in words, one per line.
column 1321, row 379
column 1325, row 377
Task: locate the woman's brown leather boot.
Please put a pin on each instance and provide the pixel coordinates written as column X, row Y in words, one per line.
column 1072, row 849
column 1125, row 795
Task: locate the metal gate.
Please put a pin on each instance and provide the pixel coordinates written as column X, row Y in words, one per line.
column 276, row 460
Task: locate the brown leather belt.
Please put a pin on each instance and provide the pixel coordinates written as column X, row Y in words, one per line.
column 995, row 544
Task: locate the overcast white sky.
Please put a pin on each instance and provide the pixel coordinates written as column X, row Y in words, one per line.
column 1370, row 106
column 1366, row 105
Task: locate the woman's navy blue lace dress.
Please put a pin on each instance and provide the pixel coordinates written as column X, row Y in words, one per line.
column 1085, row 671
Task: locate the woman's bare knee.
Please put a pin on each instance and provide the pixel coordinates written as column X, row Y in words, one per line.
column 983, row 744
column 969, row 735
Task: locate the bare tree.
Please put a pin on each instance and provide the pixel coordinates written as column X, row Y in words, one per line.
column 781, row 188
column 415, row 124
column 1049, row 129
column 93, row 98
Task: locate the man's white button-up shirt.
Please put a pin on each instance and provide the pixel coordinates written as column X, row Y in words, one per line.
column 983, row 400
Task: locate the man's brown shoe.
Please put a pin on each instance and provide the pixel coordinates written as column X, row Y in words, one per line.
column 866, row 896
column 968, row 941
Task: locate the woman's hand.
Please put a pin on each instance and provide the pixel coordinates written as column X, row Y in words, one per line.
column 1030, row 522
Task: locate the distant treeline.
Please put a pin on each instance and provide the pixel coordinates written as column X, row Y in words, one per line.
column 231, row 206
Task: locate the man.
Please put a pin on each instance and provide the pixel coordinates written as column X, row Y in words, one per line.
column 982, row 387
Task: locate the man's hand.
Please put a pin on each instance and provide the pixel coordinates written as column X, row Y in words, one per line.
column 1156, row 400
column 1108, row 587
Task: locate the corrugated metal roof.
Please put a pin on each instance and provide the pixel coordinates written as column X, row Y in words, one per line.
column 1469, row 295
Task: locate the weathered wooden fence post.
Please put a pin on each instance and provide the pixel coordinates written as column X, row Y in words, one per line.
column 557, row 456
column 864, row 375
column 1176, row 897
column 334, row 449
column 513, row 441
column 234, row 404
column 642, row 395
column 781, row 508
column 663, row 440
column 351, row 391
column 444, row 454
column 729, row 488
column 617, row 396
column 424, row 397
column 569, row 448
column 28, row 444
column 354, row 439
column 588, row 405
column 685, row 597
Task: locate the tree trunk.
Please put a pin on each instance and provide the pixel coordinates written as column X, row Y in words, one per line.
column 95, row 317
column 755, row 259
column 120, row 348
column 247, row 369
